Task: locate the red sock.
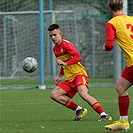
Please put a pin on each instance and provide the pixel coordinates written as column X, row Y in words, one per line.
column 71, row 105
column 98, row 108
column 123, row 103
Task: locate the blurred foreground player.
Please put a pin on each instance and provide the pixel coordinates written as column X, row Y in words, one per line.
column 120, row 28
column 68, row 58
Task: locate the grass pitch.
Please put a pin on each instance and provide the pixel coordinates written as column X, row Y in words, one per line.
column 32, row 111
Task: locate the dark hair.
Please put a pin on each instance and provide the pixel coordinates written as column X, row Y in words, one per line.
column 115, row 5
column 53, row 27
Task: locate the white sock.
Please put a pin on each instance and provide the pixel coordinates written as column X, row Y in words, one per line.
column 123, row 117
column 103, row 113
column 78, row 108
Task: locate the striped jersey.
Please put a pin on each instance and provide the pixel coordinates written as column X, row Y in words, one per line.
column 68, row 53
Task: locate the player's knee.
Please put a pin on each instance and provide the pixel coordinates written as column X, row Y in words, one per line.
column 53, row 95
column 119, row 89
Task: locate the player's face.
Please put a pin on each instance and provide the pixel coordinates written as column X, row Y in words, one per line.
column 56, row 36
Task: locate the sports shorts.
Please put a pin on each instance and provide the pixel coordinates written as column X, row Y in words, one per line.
column 128, row 73
column 71, row 87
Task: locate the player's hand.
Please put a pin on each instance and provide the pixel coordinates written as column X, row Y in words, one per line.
column 61, row 63
column 57, row 81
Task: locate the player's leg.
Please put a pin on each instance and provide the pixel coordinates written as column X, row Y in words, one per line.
column 82, row 84
column 123, row 104
column 83, row 92
column 59, row 95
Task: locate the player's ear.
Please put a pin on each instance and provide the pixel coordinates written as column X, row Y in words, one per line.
column 110, row 9
column 61, row 33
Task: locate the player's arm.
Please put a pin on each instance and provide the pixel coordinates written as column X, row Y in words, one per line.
column 76, row 57
column 110, row 37
column 61, row 74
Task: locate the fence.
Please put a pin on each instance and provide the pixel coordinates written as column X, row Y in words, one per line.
column 19, row 38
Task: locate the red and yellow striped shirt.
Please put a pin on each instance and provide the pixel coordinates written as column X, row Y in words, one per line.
column 68, row 53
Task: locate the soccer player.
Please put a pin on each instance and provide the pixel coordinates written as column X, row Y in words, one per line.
column 120, row 28
column 68, row 58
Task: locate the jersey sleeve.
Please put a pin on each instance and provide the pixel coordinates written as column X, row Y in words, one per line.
column 110, row 36
column 76, row 57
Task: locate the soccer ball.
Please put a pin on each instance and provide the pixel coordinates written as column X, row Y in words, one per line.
column 29, row 64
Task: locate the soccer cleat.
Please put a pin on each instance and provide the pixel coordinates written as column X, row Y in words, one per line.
column 80, row 113
column 105, row 118
column 118, row 125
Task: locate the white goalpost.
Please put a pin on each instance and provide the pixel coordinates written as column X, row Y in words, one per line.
column 20, row 39
column 14, row 57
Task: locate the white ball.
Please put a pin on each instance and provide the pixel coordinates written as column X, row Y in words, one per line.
column 29, row 64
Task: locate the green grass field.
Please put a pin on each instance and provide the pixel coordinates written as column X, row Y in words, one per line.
column 32, row 111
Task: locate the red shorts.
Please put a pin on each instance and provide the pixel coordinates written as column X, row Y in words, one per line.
column 71, row 87
column 128, row 73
